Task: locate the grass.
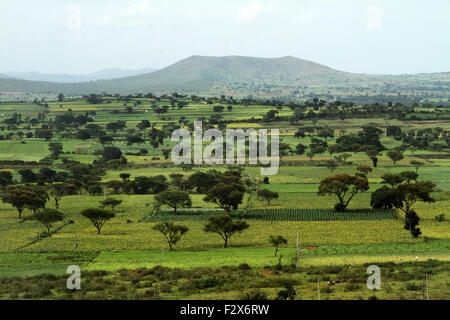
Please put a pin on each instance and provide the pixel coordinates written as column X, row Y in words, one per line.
column 258, row 257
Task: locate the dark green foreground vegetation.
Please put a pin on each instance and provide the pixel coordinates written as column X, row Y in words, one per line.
column 398, row 281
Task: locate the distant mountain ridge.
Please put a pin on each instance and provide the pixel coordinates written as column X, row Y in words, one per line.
column 104, row 74
column 284, row 76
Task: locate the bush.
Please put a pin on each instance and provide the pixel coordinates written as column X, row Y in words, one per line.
column 244, row 266
column 206, row 283
column 254, row 295
column 413, row 287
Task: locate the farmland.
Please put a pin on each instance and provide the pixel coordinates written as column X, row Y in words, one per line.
column 318, row 236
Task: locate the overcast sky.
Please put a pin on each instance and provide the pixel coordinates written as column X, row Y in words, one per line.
column 81, row 36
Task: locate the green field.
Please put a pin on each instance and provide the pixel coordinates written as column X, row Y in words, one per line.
column 320, row 236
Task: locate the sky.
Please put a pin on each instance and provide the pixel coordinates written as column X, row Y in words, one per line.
column 82, row 36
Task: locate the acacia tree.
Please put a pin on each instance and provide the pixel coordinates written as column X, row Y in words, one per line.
column 392, row 179
column 19, row 199
column 174, row 199
column 409, row 176
column 363, row 170
column 416, row 164
column 224, row 226
column 373, row 153
column 98, row 217
column 110, row 202
column 227, row 196
column 395, row 156
column 277, row 241
column 344, row 186
column 409, row 193
column 171, row 232
column 268, row 195
column 59, row 190
column 332, row 165
column 48, row 217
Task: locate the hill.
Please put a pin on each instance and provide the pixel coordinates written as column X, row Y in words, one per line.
column 104, row 74
column 5, row 76
column 240, row 76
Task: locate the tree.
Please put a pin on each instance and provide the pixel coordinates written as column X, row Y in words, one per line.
column 288, row 293
column 55, row 149
column 110, row 202
column 143, row 124
column 94, row 99
column 395, row 156
column 6, row 178
column 46, row 175
column 391, row 179
column 310, row 154
column 166, row 153
column 416, row 164
column 83, row 134
column 27, row 175
column 40, row 197
column 332, row 165
column 145, row 185
column 48, row 217
column 409, row 193
column 134, row 138
column 411, row 223
column 384, row 198
column 174, row 199
column 224, row 226
column 300, row 149
column 111, row 153
column 218, row 108
column 393, row 131
column 268, row 195
column 171, row 232
column 57, row 191
column 345, row 187
column 19, row 199
column 409, row 176
column 115, row 126
column 429, row 186
column 326, row 133
column 115, row 185
column 95, row 189
column 105, row 139
column 285, row 149
column 363, row 170
column 227, row 196
column 46, row 134
column 277, row 241
column 60, row 97
column 372, row 152
column 98, row 217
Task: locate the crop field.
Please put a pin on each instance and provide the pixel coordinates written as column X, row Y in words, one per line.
column 317, row 236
